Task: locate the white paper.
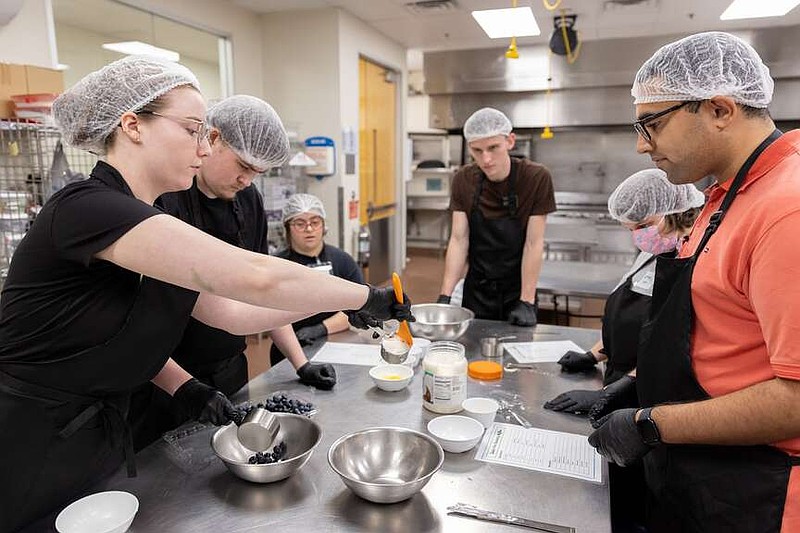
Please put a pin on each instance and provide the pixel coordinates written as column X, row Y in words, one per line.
column 344, row 353
column 555, row 452
column 540, row 351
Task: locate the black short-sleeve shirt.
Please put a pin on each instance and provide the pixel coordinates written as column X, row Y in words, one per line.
column 58, row 299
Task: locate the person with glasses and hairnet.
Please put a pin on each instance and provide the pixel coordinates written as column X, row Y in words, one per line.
column 304, row 225
column 718, row 370
column 247, row 138
column 499, row 205
column 103, row 284
column 659, row 215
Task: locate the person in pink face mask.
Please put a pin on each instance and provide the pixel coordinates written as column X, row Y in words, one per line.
column 659, row 214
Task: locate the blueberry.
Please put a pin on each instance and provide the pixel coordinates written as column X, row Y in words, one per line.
column 252, row 460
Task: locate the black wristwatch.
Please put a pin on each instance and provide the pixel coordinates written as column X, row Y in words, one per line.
column 647, row 427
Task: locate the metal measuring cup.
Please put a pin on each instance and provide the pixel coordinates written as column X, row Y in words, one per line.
column 259, row 430
column 492, row 347
column 394, row 350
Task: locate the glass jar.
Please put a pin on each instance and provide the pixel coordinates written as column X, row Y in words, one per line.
column 444, row 382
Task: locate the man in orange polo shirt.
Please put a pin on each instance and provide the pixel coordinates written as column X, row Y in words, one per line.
column 718, row 368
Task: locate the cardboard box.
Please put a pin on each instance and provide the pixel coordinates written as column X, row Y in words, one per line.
column 26, row 79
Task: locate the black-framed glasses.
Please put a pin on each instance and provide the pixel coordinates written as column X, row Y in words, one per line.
column 640, row 126
column 202, row 128
column 301, row 225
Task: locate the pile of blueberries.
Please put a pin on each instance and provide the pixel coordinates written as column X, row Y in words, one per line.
column 280, row 403
column 262, row 458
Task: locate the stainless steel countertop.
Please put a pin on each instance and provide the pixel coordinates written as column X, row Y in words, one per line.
column 185, row 488
column 575, row 278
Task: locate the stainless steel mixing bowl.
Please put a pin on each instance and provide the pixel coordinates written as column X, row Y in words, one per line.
column 385, row 464
column 441, row 322
column 301, row 435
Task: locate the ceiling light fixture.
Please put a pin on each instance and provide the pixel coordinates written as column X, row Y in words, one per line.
column 508, row 22
column 751, row 9
column 140, row 48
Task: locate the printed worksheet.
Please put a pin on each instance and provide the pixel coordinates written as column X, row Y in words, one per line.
column 345, row 353
column 555, row 452
column 540, row 351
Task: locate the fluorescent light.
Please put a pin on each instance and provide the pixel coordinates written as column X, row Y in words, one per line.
column 140, row 48
column 508, row 22
column 62, row 66
column 752, row 9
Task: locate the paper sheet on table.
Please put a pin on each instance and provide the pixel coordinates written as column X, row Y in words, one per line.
column 565, row 454
column 344, row 353
column 540, row 351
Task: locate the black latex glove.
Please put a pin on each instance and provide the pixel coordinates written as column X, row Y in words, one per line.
column 616, row 395
column 574, row 401
column 310, row 334
column 577, row 362
column 443, row 299
column 618, row 440
column 524, row 314
column 381, row 305
column 200, row 402
column 321, row 376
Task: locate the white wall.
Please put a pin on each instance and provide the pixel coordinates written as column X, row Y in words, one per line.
column 29, row 38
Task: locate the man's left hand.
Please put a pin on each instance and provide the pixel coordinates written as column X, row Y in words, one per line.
column 524, row 314
column 617, row 438
column 321, row 376
column 310, row 334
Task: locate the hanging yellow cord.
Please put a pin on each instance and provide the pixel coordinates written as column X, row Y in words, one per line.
column 547, row 133
column 551, row 7
column 513, row 52
column 571, row 57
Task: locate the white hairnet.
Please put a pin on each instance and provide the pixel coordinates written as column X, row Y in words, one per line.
column 701, row 66
column 300, row 203
column 486, row 122
column 252, row 129
column 88, row 112
column 647, row 193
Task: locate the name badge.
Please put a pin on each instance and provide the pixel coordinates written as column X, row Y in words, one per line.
column 326, row 267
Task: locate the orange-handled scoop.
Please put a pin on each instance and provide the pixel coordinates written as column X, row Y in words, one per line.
column 403, row 332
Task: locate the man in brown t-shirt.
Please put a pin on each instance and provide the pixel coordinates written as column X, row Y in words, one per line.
column 499, row 206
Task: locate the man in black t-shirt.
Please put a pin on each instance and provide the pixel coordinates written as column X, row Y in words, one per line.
column 246, row 138
column 304, row 222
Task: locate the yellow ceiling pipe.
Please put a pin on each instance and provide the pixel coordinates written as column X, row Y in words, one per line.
column 512, row 52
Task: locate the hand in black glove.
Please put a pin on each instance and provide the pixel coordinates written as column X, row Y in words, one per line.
column 321, row 376
column 200, row 402
column 618, row 440
column 443, row 299
column 381, row 305
column 616, row 395
column 574, row 401
column 577, row 362
column 310, row 334
column 524, row 314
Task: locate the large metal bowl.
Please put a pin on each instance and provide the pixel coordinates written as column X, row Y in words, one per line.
column 301, row 435
column 443, row 322
column 385, row 464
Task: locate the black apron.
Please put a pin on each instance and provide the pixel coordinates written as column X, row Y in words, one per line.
column 701, row 487
column 492, row 285
column 68, row 440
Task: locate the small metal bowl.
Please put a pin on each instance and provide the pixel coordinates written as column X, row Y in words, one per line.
column 386, row 464
column 440, row 321
column 300, row 434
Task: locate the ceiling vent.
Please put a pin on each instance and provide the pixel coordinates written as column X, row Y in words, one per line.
column 630, row 6
column 431, row 7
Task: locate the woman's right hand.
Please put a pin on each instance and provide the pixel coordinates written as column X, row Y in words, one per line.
column 577, row 362
column 381, row 305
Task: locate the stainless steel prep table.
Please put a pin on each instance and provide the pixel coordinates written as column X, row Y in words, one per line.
column 188, row 489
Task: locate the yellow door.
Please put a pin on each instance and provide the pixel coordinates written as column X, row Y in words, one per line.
column 377, row 126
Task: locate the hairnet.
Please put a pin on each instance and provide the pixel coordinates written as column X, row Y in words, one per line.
column 701, row 66
column 300, row 203
column 486, row 122
column 647, row 193
column 252, row 129
column 88, row 112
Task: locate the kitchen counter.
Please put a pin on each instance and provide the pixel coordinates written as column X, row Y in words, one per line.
column 183, row 487
column 576, row 278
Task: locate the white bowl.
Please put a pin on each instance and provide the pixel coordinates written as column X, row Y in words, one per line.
column 481, row 409
column 456, row 433
column 103, row 512
column 391, row 377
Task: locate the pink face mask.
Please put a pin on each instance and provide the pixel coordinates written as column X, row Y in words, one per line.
column 649, row 240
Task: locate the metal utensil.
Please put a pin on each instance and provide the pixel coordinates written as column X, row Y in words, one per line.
column 440, row 322
column 492, row 347
column 259, row 430
column 394, row 350
column 471, row 511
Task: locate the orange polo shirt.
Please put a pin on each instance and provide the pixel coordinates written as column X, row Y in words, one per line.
column 746, row 287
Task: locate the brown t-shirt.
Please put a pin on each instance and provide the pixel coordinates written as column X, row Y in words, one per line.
column 532, row 183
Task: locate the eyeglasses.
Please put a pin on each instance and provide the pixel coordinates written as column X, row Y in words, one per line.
column 641, row 125
column 201, row 133
column 301, row 225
